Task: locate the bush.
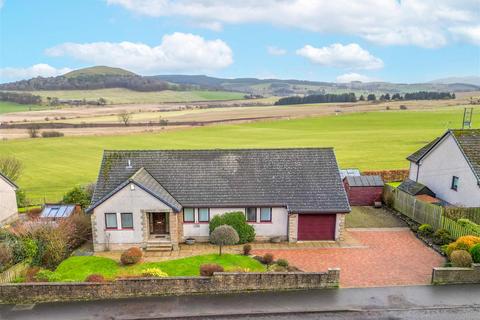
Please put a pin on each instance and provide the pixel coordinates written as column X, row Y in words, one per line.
column 268, row 258
column 30, row 247
column 207, row 270
column 237, row 221
column 282, row 263
column 246, row 249
column 81, row 195
column 425, row 230
column 455, row 246
column 475, row 252
column 442, row 236
column 52, row 245
column 79, row 229
column 224, row 235
column 154, row 272
column 95, row 278
column 6, row 256
column 45, row 275
column 131, row 256
column 469, row 241
column 52, row 134
column 259, row 259
column 31, row 274
column 461, row 259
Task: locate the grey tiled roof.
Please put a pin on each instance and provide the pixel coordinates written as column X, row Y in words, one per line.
column 417, row 155
column 365, row 181
column 469, row 142
column 303, row 180
column 414, row 188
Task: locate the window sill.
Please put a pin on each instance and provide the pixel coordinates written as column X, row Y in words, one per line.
column 121, row 229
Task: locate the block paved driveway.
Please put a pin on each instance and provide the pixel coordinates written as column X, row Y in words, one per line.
column 385, row 257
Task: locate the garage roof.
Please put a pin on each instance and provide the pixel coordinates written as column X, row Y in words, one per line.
column 364, row 181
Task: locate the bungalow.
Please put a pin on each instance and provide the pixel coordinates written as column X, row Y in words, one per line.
column 449, row 167
column 8, row 200
column 161, row 198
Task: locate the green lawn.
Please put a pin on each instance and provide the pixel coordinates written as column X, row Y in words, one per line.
column 375, row 140
column 6, row 107
column 118, row 95
column 78, row 268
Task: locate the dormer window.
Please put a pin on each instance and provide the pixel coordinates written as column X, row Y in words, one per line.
column 129, row 164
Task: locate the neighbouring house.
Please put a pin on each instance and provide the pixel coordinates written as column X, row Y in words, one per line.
column 450, row 167
column 8, row 200
column 161, row 198
column 363, row 190
column 58, row 211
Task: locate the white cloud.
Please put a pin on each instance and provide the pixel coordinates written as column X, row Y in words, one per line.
column 349, row 77
column 276, row 51
column 38, row 70
column 471, row 34
column 350, row 56
column 425, row 23
column 179, row 52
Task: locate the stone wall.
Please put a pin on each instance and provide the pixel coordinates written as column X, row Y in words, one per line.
column 142, row 287
column 292, row 227
column 389, row 175
column 456, row 275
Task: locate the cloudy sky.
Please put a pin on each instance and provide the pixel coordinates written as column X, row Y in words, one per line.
column 341, row 40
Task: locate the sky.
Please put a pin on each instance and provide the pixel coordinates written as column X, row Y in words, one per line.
column 403, row 41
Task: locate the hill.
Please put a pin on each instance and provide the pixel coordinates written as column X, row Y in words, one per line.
column 99, row 70
column 473, row 80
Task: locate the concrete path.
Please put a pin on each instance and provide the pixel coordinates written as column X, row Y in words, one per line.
column 360, row 300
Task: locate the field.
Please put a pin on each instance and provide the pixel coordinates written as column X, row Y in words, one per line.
column 121, row 96
column 7, row 107
column 368, row 140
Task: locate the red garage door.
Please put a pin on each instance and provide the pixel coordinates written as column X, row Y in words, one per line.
column 316, row 226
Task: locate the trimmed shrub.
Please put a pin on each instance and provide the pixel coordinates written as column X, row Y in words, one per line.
column 268, row 258
column 224, row 235
column 442, row 236
column 461, row 259
column 52, row 134
column 154, row 272
column 95, row 278
column 259, row 259
column 425, row 230
column 282, row 263
column 132, row 255
column 6, row 256
column 472, row 226
column 207, row 270
column 45, row 275
column 469, row 241
column 246, row 249
column 475, row 252
column 455, row 246
column 237, row 221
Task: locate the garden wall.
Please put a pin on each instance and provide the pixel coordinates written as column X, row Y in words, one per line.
column 456, row 275
column 142, row 287
column 389, row 175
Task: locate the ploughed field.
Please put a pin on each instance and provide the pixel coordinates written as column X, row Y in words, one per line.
column 368, row 140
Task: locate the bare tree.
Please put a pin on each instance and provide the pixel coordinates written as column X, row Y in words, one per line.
column 33, row 131
column 11, row 167
column 124, row 117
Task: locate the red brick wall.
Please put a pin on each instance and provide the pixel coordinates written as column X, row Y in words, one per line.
column 363, row 196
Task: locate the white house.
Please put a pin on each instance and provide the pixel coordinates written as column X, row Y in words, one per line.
column 8, row 200
column 450, row 167
column 157, row 199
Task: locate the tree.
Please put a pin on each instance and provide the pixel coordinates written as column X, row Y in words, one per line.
column 11, row 167
column 124, row 117
column 371, row 97
column 102, row 101
column 224, row 235
column 81, row 195
column 387, row 96
column 362, row 98
column 32, row 131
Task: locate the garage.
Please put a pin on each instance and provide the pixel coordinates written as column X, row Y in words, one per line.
column 316, row 227
column 363, row 190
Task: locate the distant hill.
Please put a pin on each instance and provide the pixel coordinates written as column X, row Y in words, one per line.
column 99, row 70
column 473, row 80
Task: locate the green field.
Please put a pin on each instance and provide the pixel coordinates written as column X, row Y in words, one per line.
column 118, row 95
column 375, row 140
column 6, row 107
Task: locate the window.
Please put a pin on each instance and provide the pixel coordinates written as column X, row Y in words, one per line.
column 110, row 220
column 203, row 215
column 455, row 183
column 127, row 220
column 188, row 215
column 265, row 214
column 251, row 214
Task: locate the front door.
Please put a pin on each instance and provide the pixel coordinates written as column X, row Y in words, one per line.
column 158, row 223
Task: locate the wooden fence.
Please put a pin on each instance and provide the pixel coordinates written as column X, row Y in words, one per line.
column 438, row 217
column 13, row 272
